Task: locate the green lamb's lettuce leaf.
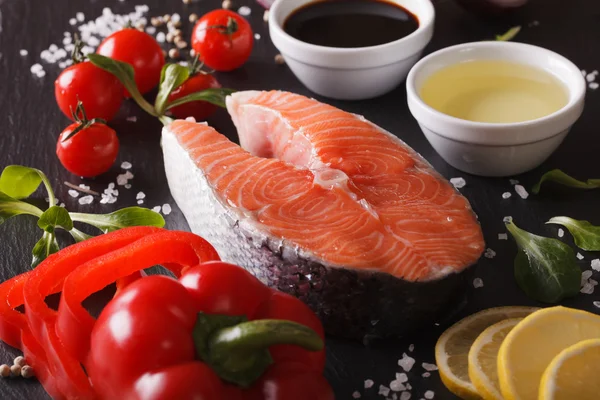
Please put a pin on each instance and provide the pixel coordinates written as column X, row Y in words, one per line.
column 55, row 217
column 126, row 217
column 545, row 268
column 10, row 207
column 46, row 246
column 172, row 76
column 556, row 175
column 586, row 235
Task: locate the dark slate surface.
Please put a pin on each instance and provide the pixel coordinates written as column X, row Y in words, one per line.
column 30, row 123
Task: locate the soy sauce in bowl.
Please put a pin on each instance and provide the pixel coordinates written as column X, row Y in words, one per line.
column 350, row 23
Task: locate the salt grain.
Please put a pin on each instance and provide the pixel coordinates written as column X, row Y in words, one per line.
column 596, row 304
column 140, row 202
column 596, row 264
column 579, row 256
column 257, row 36
column 23, row 52
column 127, row 186
column 430, row 394
column 405, row 396
column 513, row 181
column 166, row 209
column 411, row 348
column 356, row 395
column 266, row 16
column 406, row 362
column 244, row 11
column 161, row 37
column 124, row 165
column 587, row 288
column 73, row 193
column 426, row 374
column 590, row 77
column 521, row 191
column 397, row 386
column 477, row 283
column 80, row 17
column 502, row 236
column 140, row 196
column 73, row 21
column 585, row 275
column 156, row 209
column 506, row 195
column 384, row 390
column 429, row 367
column 594, row 85
column 86, row 200
column 84, row 186
column 489, row 253
column 561, row 232
column 458, row 182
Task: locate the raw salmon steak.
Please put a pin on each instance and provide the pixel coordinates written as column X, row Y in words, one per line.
column 327, row 206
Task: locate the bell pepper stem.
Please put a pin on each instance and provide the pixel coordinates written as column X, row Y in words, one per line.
column 261, row 334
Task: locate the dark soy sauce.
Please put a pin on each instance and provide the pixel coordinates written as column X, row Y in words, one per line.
column 350, row 23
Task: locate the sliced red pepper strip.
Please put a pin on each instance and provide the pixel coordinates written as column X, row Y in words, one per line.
column 12, row 322
column 176, row 250
column 47, row 279
column 36, row 358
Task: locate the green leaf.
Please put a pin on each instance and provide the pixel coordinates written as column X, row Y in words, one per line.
column 20, row 182
column 10, row 207
column 124, row 72
column 55, row 217
column 126, row 217
column 78, row 235
column 44, row 247
column 586, row 235
column 556, row 175
column 545, row 268
column 509, row 35
column 172, row 76
column 213, row 96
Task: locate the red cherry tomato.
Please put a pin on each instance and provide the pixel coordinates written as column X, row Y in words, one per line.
column 90, row 152
column 283, row 306
column 200, row 110
column 221, row 288
column 138, row 49
column 100, row 92
column 223, row 39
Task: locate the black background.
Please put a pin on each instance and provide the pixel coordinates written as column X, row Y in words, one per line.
column 30, row 123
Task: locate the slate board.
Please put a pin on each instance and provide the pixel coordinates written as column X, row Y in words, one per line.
column 30, row 123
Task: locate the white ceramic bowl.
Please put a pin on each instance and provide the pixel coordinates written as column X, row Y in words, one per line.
column 496, row 149
column 351, row 73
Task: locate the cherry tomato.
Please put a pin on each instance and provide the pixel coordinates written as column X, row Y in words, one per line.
column 223, row 39
column 90, row 152
column 200, row 110
column 138, row 49
column 291, row 381
column 221, row 288
column 100, row 92
column 283, row 306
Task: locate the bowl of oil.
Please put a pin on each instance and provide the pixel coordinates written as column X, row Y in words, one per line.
column 495, row 108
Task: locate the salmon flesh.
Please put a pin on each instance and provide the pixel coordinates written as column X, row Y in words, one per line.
column 327, row 206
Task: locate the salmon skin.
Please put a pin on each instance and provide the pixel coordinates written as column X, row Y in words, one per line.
column 325, row 205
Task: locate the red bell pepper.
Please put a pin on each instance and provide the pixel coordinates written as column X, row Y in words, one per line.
column 197, row 338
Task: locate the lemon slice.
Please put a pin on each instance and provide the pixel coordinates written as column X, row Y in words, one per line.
column 483, row 359
column 452, row 348
column 571, row 375
column 534, row 342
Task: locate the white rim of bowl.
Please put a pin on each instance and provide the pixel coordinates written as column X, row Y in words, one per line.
column 576, row 93
column 423, row 25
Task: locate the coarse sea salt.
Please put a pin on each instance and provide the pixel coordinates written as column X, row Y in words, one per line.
column 156, row 209
column 384, row 390
column 426, row 374
column 73, row 193
column 166, row 209
column 561, row 232
column 594, row 85
column 477, row 283
column 521, row 191
column 133, row 118
column 411, row 348
column 356, row 395
column 23, row 52
column 125, row 165
column 429, row 367
column 430, row 394
column 140, row 202
column 489, row 253
column 257, row 36
column 405, row 396
column 596, row 264
column 369, row 383
column 245, row 11
column 502, row 236
column 458, row 183
column 513, row 181
column 506, row 195
column 406, row 362
column 397, row 386
column 86, row 200
column 580, row 256
column 140, row 196
column 596, row 303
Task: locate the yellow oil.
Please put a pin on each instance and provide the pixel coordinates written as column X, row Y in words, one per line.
column 494, row 92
